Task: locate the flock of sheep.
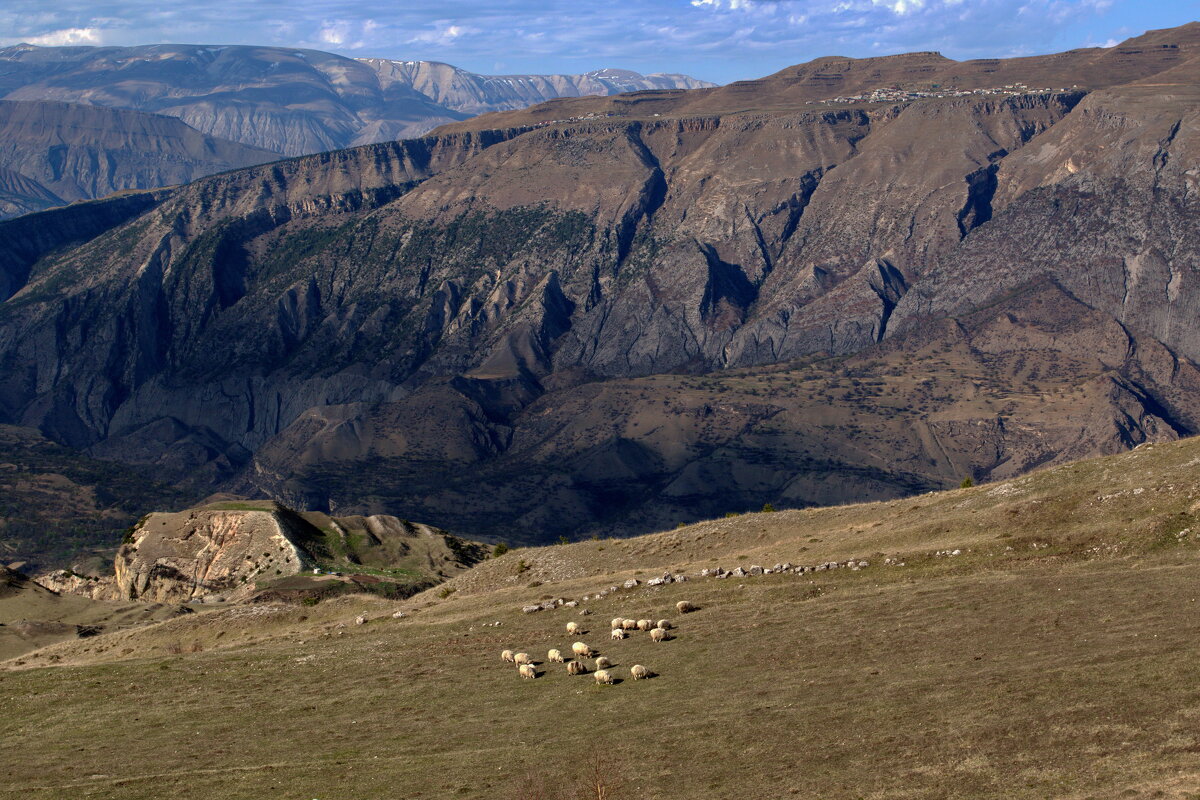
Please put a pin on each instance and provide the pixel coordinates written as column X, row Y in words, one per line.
column 603, row 674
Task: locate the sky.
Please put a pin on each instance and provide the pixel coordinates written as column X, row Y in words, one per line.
column 717, row 40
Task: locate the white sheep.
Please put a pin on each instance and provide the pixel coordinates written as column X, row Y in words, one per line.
column 527, row 671
column 603, row 676
column 617, row 623
column 573, row 628
column 555, row 657
column 638, row 672
column 658, row 635
column 617, row 634
column 683, row 606
column 507, row 655
column 603, row 663
column 645, row 624
column 522, row 658
column 665, row 624
column 629, row 624
column 575, row 668
column 581, row 649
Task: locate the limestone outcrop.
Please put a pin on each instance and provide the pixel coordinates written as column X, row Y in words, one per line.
column 212, row 550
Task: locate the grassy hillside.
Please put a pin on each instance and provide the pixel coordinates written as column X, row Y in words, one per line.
column 1053, row 657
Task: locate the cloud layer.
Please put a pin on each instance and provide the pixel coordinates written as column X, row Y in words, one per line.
column 715, row 39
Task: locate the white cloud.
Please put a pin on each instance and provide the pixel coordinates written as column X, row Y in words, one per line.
column 67, row 36
column 444, row 34
column 902, row 7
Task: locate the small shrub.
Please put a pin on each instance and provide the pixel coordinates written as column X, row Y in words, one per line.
column 967, row 483
column 310, row 601
column 500, row 549
column 446, row 592
column 563, row 540
column 522, row 566
column 768, row 508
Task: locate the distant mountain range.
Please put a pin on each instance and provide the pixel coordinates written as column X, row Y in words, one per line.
column 83, row 122
column 286, row 100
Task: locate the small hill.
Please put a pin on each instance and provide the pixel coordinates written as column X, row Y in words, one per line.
column 1025, row 639
column 237, row 550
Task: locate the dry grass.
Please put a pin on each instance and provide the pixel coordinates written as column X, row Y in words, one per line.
column 1059, row 671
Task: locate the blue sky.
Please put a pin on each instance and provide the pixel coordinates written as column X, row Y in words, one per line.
column 719, row 40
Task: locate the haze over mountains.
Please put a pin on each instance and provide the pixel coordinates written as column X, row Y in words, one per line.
column 96, row 120
column 617, row 313
column 289, row 101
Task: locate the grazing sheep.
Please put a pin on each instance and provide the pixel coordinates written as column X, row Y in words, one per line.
column 507, row 655
column 581, row 649
column 638, row 672
column 603, row 663
column 617, row 623
column 618, row 634
column 629, row 624
column 658, row 635
column 665, row 624
column 683, row 606
column 527, row 671
column 645, row 624
column 602, row 676
column 572, row 628
column 522, row 658
column 555, row 657
column 575, row 668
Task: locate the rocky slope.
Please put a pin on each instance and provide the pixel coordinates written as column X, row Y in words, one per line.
column 662, row 307
column 284, row 100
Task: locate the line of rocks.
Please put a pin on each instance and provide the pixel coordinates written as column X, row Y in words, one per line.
column 718, row 572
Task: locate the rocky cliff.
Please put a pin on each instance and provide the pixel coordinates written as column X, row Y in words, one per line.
column 653, row 308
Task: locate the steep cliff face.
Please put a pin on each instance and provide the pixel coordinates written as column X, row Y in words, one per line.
column 486, row 314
